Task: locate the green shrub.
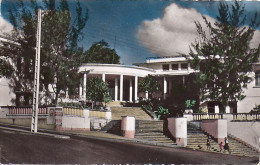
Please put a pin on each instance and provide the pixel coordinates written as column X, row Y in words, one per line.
column 190, row 103
column 161, row 112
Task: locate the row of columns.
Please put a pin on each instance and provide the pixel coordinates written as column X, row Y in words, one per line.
column 83, row 91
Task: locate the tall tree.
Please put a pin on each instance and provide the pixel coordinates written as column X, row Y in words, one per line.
column 60, row 54
column 97, row 91
column 224, row 56
column 6, row 68
column 150, row 84
column 100, row 52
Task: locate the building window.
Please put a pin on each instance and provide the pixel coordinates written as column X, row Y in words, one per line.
column 257, row 78
column 165, row 67
column 184, row 66
column 175, row 66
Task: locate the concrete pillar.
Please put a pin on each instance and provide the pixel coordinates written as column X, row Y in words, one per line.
column 178, row 129
column 58, row 118
column 179, row 66
column 183, row 80
column 189, row 66
column 116, row 89
column 104, row 77
column 128, row 126
column 130, row 90
column 216, row 128
column 227, row 109
column 216, row 109
column 67, row 92
column 86, row 113
column 146, row 95
column 80, row 90
column 164, row 88
column 136, row 88
column 121, row 87
column 84, row 86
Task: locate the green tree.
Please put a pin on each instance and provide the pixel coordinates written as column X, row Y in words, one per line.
column 224, row 56
column 97, row 91
column 149, row 84
column 60, row 54
column 100, row 52
column 6, row 68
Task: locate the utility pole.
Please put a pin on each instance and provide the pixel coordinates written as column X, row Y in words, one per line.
column 36, row 84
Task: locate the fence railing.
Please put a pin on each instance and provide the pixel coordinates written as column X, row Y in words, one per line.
column 25, row 110
column 197, row 116
column 73, row 111
column 246, row 116
column 234, row 116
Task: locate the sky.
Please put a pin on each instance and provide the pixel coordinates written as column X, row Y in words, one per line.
column 138, row 29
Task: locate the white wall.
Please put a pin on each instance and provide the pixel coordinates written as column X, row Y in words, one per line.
column 75, row 122
column 246, row 131
column 252, row 97
column 6, row 94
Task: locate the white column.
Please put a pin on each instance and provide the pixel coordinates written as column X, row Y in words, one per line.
column 136, row 88
column 85, row 86
column 227, row 109
column 164, row 88
column 121, row 87
column 216, row 109
column 80, row 90
column 116, row 89
column 104, row 77
column 189, row 66
column 183, row 80
column 179, row 66
column 67, row 93
column 130, row 90
column 146, row 95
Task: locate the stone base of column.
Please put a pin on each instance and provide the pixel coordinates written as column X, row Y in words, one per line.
column 128, row 134
column 181, row 142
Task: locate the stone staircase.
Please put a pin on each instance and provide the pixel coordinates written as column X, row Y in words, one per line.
column 238, row 148
column 197, row 140
column 152, row 131
column 138, row 113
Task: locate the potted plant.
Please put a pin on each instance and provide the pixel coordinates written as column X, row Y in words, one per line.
column 189, row 104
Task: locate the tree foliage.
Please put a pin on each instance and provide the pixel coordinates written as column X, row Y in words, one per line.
column 100, row 52
column 97, row 90
column 149, row 84
column 224, row 56
column 60, row 54
column 6, row 68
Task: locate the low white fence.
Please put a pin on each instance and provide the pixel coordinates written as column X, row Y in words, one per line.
column 234, row 117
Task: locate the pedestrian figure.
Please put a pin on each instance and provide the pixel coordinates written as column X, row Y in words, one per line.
column 226, row 146
column 221, row 146
column 208, row 144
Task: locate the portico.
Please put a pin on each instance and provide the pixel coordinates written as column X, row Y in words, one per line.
column 122, row 80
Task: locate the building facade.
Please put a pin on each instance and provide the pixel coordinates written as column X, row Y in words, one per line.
column 171, row 72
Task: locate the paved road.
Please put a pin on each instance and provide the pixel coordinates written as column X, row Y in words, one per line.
column 20, row 147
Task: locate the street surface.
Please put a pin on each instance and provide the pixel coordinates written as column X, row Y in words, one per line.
column 21, row 147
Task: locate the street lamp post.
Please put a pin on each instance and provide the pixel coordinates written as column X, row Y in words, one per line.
column 36, row 84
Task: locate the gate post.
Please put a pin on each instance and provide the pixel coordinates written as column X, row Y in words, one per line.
column 128, row 126
column 58, row 118
column 178, row 129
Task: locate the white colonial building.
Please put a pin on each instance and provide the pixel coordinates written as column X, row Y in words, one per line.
column 123, row 80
